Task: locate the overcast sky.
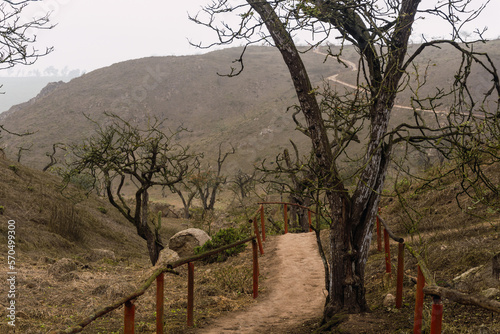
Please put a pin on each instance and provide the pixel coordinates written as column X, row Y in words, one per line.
column 95, row 33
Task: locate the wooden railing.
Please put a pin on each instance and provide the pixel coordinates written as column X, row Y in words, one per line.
column 285, row 215
column 437, row 307
column 158, row 275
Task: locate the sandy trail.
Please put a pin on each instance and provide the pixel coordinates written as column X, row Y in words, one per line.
column 295, row 280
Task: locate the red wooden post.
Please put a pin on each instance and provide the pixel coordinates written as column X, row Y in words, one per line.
column 387, row 252
column 401, row 268
column 419, row 303
column 379, row 236
column 255, row 269
column 262, row 224
column 309, row 218
column 160, row 282
column 129, row 315
column 190, row 321
column 285, row 214
column 437, row 315
column 257, row 234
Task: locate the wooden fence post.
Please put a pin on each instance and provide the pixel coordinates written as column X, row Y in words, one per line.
column 190, row 301
column 257, row 234
column 285, row 216
column 160, row 283
column 255, row 266
column 129, row 315
column 419, row 303
column 262, row 223
column 387, row 252
column 400, row 277
column 437, row 315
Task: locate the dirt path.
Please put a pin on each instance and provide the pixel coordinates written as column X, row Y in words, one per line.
column 294, row 281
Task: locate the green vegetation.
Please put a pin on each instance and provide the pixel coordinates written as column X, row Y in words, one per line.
column 222, row 238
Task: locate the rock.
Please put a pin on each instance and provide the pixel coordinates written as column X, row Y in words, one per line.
column 167, row 256
column 62, row 267
column 389, row 300
column 491, row 292
column 185, row 241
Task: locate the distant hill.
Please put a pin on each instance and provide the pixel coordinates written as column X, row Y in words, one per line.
column 16, row 90
column 248, row 111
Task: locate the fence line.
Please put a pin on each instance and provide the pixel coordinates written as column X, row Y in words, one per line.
column 285, row 215
column 437, row 307
column 158, row 275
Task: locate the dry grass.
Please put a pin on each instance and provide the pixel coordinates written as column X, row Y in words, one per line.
column 48, row 302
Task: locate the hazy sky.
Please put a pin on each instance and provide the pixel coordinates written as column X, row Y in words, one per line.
column 95, row 33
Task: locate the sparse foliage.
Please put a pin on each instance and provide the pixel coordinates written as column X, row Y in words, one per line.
column 150, row 157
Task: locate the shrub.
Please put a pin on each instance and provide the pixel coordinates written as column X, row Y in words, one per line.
column 222, row 238
column 102, row 209
column 14, row 168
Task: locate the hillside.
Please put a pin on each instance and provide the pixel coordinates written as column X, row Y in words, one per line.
column 50, row 227
column 248, row 111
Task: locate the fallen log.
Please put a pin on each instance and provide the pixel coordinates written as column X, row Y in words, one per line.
column 454, row 295
column 463, row 298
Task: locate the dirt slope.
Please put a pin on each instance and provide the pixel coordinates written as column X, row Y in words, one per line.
column 294, row 277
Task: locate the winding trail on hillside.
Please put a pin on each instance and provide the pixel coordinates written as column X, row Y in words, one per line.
column 354, row 68
column 294, row 281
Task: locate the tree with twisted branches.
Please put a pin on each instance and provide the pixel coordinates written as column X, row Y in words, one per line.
column 467, row 133
column 149, row 157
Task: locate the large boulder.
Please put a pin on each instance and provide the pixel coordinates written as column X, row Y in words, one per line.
column 185, row 241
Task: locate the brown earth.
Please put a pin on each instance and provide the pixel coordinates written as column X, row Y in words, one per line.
column 294, row 276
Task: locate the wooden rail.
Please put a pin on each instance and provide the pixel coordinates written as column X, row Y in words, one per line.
column 158, row 275
column 437, row 308
column 285, row 215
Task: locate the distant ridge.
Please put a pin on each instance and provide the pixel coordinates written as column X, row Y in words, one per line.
column 248, row 111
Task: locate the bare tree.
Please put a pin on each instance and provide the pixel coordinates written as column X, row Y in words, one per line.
column 208, row 181
column 15, row 37
column 186, row 193
column 52, row 156
column 150, row 157
column 379, row 31
column 244, row 183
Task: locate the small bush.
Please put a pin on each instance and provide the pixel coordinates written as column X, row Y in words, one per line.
column 14, row 168
column 222, row 238
column 2, row 209
column 102, row 210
